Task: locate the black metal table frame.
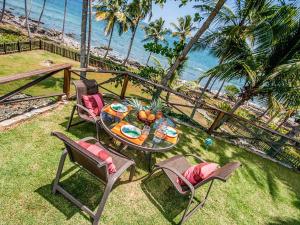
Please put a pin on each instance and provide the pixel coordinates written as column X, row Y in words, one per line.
column 126, row 143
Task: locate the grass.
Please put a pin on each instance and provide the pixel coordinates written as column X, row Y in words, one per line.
column 17, row 63
column 260, row 192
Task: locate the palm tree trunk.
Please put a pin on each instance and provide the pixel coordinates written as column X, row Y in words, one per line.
column 220, row 89
column 201, row 96
column 26, row 20
column 83, row 36
column 264, row 113
column 89, row 34
column 190, row 44
column 64, row 20
column 148, row 59
column 3, row 11
column 287, row 116
column 109, row 42
column 42, row 12
column 212, row 84
column 237, row 105
column 131, row 42
column 272, row 118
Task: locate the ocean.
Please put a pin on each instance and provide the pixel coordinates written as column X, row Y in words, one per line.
column 198, row 62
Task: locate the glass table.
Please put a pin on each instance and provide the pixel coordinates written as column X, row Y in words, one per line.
column 151, row 144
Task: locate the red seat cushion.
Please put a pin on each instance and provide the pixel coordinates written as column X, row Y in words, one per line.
column 199, row 172
column 94, row 103
column 100, row 153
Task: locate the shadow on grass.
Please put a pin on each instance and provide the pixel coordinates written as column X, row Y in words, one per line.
column 164, row 197
column 285, row 221
column 81, row 185
column 256, row 170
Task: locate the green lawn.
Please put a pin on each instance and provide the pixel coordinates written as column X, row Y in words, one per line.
column 260, row 192
column 26, row 61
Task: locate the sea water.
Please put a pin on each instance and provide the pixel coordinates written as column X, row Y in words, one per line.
column 198, row 62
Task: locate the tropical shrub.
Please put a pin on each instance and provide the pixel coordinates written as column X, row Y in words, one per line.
column 232, row 91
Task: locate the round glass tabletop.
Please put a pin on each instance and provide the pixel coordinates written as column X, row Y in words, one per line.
column 112, row 121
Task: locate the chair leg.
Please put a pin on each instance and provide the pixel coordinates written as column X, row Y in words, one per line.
column 59, row 170
column 71, row 118
column 186, row 214
column 207, row 193
column 132, row 172
column 98, row 131
column 102, row 203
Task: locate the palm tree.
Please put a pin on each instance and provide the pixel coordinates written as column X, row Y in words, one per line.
column 184, row 28
column 113, row 13
column 229, row 40
column 220, row 89
column 42, row 12
column 270, row 61
column 85, row 6
column 163, row 71
column 26, row 20
column 191, row 43
column 137, row 10
column 64, row 20
column 3, row 10
column 89, row 33
column 156, row 32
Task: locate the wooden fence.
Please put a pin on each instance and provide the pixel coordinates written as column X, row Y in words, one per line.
column 21, row 46
column 249, row 134
column 273, row 143
column 40, row 75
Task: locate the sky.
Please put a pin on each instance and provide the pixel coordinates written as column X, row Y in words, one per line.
column 171, row 11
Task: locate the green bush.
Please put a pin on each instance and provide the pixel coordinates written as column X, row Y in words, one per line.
column 224, row 106
column 232, row 91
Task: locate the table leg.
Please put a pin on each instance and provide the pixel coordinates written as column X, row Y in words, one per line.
column 149, row 159
column 122, row 147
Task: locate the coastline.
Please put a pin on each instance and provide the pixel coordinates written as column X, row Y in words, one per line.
column 55, row 35
column 69, row 41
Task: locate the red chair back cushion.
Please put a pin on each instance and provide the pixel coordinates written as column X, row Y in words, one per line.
column 94, row 103
column 199, row 172
column 100, row 153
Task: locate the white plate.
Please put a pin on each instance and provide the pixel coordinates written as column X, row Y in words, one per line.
column 131, row 131
column 171, row 132
column 118, row 107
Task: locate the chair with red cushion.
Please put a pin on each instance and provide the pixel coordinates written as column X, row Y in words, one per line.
column 88, row 159
column 85, row 89
column 175, row 168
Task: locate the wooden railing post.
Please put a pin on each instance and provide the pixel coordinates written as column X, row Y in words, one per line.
column 4, row 47
column 124, row 87
column 67, row 82
column 216, row 122
column 19, row 46
column 40, row 44
column 30, row 45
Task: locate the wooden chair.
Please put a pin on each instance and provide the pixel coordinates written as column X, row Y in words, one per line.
column 177, row 165
column 84, row 87
column 95, row 166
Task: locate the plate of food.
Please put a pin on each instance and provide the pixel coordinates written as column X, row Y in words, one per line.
column 171, row 132
column 118, row 107
column 131, row 131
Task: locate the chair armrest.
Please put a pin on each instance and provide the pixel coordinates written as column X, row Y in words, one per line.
column 195, row 156
column 190, row 186
column 87, row 111
column 69, row 142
